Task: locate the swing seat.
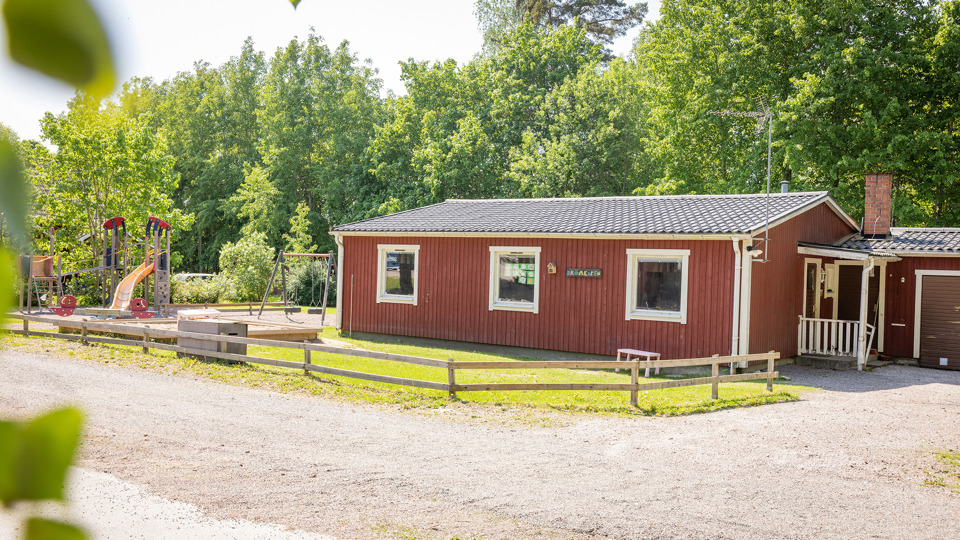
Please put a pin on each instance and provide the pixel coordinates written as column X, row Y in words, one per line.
column 316, row 311
column 291, row 310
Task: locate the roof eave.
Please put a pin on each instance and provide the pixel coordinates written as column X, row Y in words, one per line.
column 790, row 214
column 577, row 235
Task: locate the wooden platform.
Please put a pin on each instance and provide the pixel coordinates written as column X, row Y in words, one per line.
column 255, row 329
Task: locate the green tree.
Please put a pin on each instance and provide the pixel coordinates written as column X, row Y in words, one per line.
column 453, row 135
column 209, row 118
column 497, row 19
column 603, row 20
column 595, row 139
column 850, row 84
column 298, row 240
column 319, row 110
column 105, row 164
column 245, row 265
column 256, row 202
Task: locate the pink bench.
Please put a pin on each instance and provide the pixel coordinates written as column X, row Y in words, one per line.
column 634, row 352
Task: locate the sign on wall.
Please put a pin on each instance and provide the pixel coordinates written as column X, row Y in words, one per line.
column 583, row 272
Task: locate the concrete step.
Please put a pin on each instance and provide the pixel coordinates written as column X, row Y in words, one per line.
column 838, row 363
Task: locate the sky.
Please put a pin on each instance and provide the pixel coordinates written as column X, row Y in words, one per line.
column 161, row 38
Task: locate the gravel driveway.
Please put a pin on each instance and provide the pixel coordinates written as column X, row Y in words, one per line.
column 847, row 462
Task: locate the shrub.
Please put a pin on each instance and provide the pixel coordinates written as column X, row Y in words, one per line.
column 245, row 267
column 305, row 285
column 198, row 291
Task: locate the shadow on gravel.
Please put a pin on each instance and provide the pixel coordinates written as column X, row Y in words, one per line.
column 885, row 378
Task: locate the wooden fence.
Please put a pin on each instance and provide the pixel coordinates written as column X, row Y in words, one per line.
column 634, row 387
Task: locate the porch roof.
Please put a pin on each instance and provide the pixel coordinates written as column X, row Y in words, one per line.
column 909, row 241
column 840, row 252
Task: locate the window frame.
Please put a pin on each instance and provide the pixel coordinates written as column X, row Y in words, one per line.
column 382, row 295
column 494, row 287
column 656, row 255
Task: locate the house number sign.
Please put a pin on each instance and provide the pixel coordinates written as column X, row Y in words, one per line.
column 583, row 272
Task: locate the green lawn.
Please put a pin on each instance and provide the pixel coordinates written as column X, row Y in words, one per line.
column 672, row 401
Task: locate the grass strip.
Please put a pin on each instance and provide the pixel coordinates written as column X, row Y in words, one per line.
column 665, row 402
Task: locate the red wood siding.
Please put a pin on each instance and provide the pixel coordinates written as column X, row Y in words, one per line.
column 576, row 314
column 776, row 299
column 901, row 300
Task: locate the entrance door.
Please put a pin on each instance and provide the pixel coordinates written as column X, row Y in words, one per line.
column 848, row 293
column 940, row 322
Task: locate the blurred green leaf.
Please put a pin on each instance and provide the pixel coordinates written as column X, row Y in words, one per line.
column 9, row 443
column 7, row 270
column 63, row 39
column 295, row 3
column 43, row 529
column 47, row 448
column 12, row 193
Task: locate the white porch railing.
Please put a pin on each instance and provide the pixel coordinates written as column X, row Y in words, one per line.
column 831, row 337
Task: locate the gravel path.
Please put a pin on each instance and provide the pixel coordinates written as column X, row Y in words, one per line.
column 106, row 507
column 845, row 462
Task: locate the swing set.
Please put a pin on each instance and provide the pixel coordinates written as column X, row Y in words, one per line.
column 315, row 307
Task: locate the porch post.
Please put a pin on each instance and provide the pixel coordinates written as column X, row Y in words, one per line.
column 862, row 353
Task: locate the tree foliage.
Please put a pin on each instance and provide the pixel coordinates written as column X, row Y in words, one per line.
column 245, row 265
column 284, row 146
column 602, row 20
column 855, row 86
column 105, row 164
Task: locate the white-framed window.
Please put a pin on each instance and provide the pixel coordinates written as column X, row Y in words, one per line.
column 397, row 267
column 657, row 284
column 515, row 278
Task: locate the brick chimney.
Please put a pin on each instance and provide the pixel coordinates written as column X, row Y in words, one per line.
column 876, row 211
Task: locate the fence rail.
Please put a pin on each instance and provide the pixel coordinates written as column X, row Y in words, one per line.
column 145, row 334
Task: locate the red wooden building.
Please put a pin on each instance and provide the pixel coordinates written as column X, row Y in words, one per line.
column 685, row 276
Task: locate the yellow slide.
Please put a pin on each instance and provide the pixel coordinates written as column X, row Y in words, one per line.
column 121, row 299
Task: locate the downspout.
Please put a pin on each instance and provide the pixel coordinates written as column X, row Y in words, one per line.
column 339, row 240
column 746, row 284
column 737, row 265
column 862, row 353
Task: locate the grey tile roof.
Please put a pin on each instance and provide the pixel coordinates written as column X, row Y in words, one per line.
column 910, row 240
column 678, row 214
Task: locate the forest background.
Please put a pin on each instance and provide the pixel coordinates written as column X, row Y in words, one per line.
column 283, row 147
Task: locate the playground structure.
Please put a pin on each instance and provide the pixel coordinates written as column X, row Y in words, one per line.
column 315, row 308
column 117, row 291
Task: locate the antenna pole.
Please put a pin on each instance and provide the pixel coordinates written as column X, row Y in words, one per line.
column 766, row 231
column 765, row 116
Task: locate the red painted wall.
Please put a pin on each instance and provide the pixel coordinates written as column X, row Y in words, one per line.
column 776, row 299
column 576, row 314
column 901, row 300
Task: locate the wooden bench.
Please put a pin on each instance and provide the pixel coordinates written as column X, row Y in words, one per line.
column 634, row 352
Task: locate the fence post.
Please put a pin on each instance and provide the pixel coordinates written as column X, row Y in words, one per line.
column 715, row 369
column 715, row 387
column 26, row 326
column 771, row 364
column 306, row 361
column 634, row 380
column 83, row 334
column 451, row 377
column 146, row 349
